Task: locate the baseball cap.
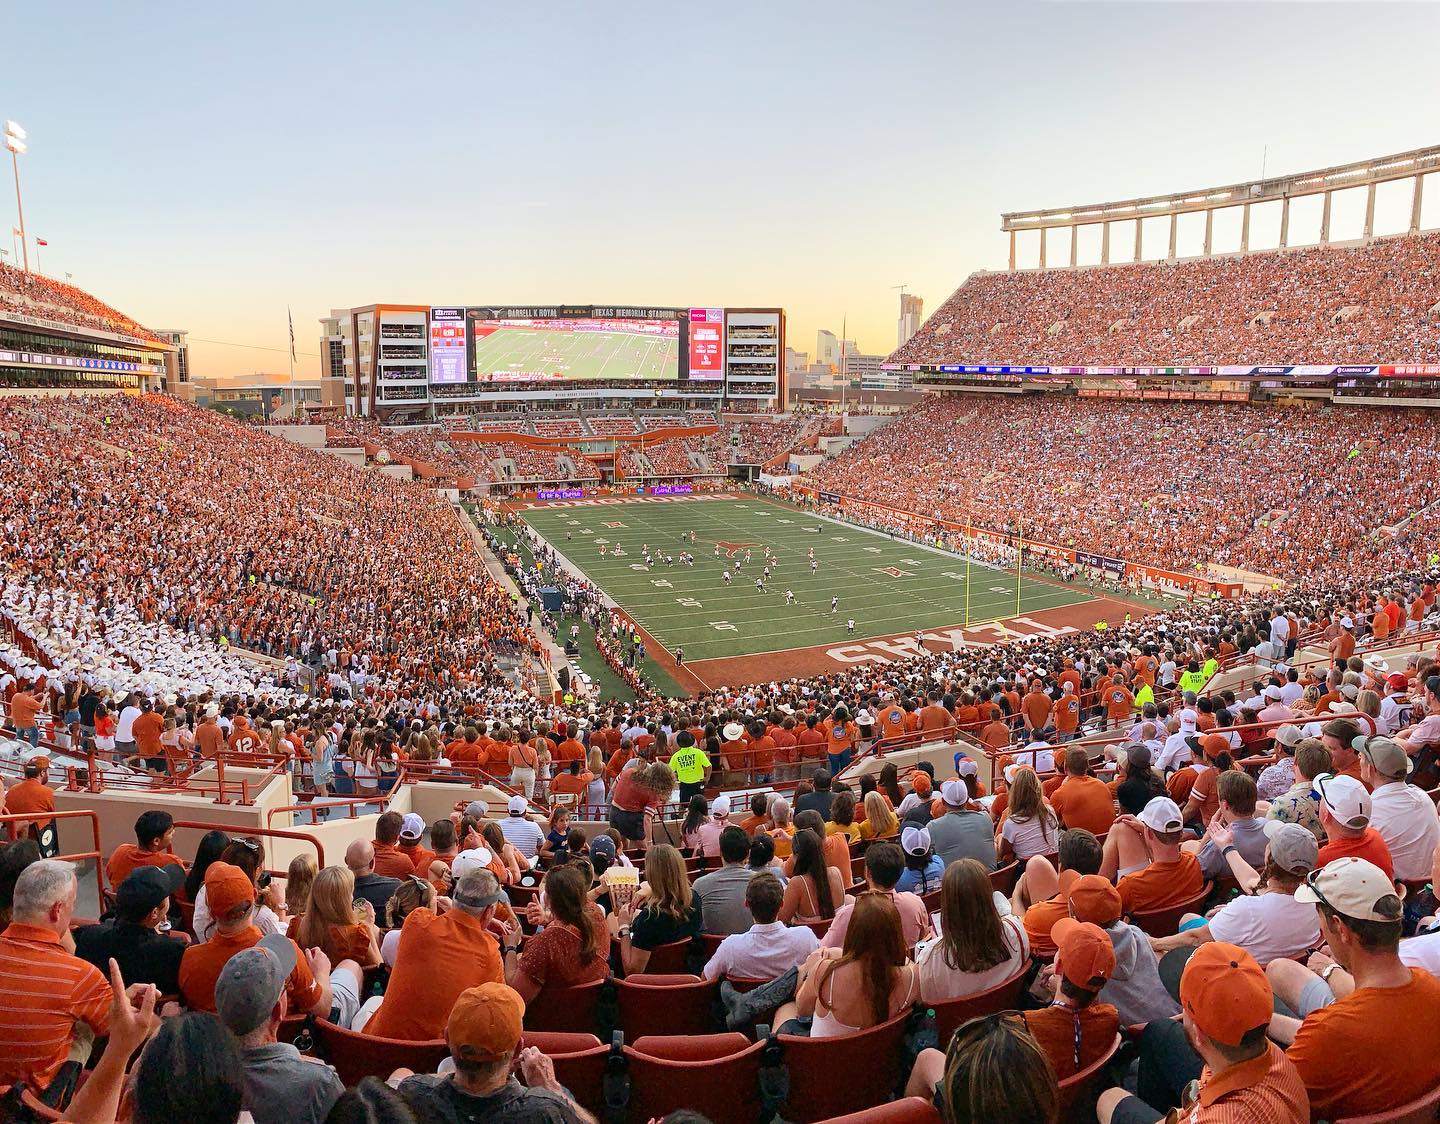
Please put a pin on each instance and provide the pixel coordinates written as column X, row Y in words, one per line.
column 1396, row 681
column 412, row 826
column 1352, row 887
column 1346, row 622
column 227, row 886
column 720, row 806
column 1092, row 898
column 1273, row 692
column 921, row 782
column 915, row 840
column 1345, row 797
column 967, row 768
column 1212, row 745
column 603, row 845
column 485, row 1023
column 1225, row 992
column 516, row 806
column 1084, row 953
column 1188, row 718
column 1386, row 754
column 476, row 858
column 148, row 886
column 251, row 982
column 1161, row 814
column 1289, row 736
column 1292, row 848
column 954, row 793
column 477, row 809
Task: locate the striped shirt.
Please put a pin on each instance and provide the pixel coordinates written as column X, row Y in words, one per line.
column 1264, row 1090
column 44, row 992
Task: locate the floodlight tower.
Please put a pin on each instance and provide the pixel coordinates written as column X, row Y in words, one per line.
column 15, row 141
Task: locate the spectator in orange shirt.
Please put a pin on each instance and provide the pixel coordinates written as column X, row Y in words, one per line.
column 333, row 924
column 154, row 831
column 149, row 724
column 389, row 862
column 1119, row 702
column 1067, row 713
column 571, row 780
column 25, row 708
column 1345, row 815
column 209, row 738
column 1172, row 876
column 1035, row 708
column 32, row 794
column 1042, row 896
column 1082, row 800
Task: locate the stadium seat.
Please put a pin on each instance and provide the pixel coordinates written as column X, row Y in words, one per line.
column 1079, row 1088
column 832, row 1076
column 579, row 1061
column 908, row 1110
column 951, row 1014
column 931, row 901
column 1422, row 1110
column 666, row 1004
column 819, row 928
column 1165, row 922
column 1003, row 879
column 355, row 1055
column 717, row 1075
column 564, row 1008
column 709, row 944
column 667, row 959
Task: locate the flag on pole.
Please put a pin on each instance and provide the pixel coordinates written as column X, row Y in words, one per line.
column 291, row 318
column 41, row 242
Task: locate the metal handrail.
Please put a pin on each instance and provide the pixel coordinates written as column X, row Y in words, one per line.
column 268, row 832
column 79, row 856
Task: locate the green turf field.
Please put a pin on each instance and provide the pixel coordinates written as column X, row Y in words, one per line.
column 889, row 587
column 576, row 355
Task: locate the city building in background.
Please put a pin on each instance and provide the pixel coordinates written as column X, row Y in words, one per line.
column 911, row 316
column 274, row 397
column 177, row 362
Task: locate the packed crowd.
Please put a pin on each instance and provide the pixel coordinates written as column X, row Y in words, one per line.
column 1260, row 308
column 172, row 536
column 1128, row 480
column 37, row 295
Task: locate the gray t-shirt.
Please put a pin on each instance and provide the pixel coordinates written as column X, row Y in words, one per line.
column 281, row 1087
column 1247, row 836
column 722, row 900
column 964, row 835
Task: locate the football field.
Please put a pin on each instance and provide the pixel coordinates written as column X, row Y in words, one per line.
column 890, row 589
column 575, row 355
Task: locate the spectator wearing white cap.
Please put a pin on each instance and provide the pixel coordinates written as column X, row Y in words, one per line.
column 711, row 827
column 1362, row 1014
column 520, row 831
column 923, row 867
column 961, row 832
column 1275, row 709
column 1277, row 778
column 1171, row 876
column 1265, row 920
column 1345, row 816
column 1404, row 816
column 412, row 829
column 1176, row 752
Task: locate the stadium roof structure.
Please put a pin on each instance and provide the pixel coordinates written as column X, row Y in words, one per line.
column 1415, row 164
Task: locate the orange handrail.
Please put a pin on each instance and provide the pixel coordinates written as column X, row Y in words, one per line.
column 79, row 856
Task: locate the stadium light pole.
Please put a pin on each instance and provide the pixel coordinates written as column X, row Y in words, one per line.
column 15, row 142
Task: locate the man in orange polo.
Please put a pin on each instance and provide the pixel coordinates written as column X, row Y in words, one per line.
column 1083, row 800
column 1035, row 708
column 146, row 731
column 25, row 708
column 1172, row 876
column 51, row 1002
column 31, row 795
column 209, row 738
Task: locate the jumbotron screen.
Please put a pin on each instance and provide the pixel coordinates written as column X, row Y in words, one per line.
column 576, row 344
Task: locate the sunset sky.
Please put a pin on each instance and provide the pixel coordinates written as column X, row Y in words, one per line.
column 203, row 166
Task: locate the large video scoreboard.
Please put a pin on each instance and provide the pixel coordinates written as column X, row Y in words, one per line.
column 497, row 344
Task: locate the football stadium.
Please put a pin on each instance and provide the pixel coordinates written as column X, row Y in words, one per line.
column 597, row 713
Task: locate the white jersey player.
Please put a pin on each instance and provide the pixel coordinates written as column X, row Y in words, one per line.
column 789, row 597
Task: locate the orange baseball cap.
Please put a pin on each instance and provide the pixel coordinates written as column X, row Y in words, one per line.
column 921, row 782
column 1091, row 898
column 485, row 1023
column 1225, row 992
column 1213, row 745
column 1084, row 953
column 227, row 886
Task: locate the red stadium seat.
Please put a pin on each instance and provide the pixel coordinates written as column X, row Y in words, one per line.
column 1165, row 922
column 819, row 928
column 667, row 959
column 716, row 1075
column 1004, row 879
column 579, row 1061
column 931, row 901
column 564, row 1008
column 709, row 943
column 666, row 1004
column 1081, row 1087
column 951, row 1014
column 909, row 1110
column 832, row 1076
column 356, row 1056
column 1422, row 1110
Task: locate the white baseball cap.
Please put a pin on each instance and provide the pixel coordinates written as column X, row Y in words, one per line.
column 1351, row 887
column 915, row 840
column 720, row 806
column 1188, row 718
column 954, row 793
column 412, row 826
column 467, row 862
column 967, row 768
column 1346, row 798
column 1161, row 814
column 517, row 806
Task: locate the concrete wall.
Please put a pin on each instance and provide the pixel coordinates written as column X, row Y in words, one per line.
column 311, row 436
column 398, row 471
